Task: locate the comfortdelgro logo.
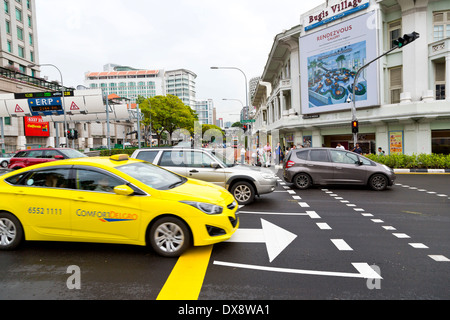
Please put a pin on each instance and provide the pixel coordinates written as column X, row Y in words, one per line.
column 107, row 216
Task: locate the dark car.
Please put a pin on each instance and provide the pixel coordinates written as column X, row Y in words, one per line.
column 326, row 166
column 26, row 158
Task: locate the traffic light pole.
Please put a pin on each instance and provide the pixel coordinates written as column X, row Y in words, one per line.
column 400, row 43
column 355, row 83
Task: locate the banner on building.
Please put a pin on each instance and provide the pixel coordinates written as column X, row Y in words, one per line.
column 36, row 127
column 329, row 61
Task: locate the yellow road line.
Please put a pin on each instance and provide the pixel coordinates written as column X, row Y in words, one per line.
column 186, row 280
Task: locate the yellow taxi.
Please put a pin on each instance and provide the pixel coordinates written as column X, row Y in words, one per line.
column 113, row 200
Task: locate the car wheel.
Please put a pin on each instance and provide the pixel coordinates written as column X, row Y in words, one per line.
column 4, row 164
column 243, row 192
column 302, row 181
column 11, row 232
column 169, row 237
column 378, row 182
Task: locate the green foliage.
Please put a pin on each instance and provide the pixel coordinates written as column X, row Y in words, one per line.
column 165, row 114
column 421, row 161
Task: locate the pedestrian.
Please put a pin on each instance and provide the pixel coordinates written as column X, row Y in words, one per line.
column 340, row 146
column 380, row 151
column 242, row 154
column 267, row 154
column 278, row 153
column 357, row 149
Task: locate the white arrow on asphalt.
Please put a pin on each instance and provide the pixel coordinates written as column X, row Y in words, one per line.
column 275, row 238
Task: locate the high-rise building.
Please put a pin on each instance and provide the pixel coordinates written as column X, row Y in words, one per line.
column 204, row 110
column 127, row 82
column 18, row 36
column 181, row 83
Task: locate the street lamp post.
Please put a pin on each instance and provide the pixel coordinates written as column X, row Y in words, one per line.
column 245, row 76
column 62, row 93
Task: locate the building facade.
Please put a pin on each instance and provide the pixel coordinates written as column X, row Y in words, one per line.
column 127, row 82
column 204, row 110
column 402, row 101
column 18, row 36
column 181, row 83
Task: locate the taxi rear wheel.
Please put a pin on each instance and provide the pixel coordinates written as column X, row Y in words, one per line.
column 169, row 237
column 11, row 232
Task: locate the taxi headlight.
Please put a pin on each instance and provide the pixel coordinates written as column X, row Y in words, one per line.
column 207, row 208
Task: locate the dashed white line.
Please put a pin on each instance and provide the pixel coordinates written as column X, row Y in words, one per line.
column 439, row 258
column 418, row 245
column 323, row 226
column 341, row 245
column 401, row 235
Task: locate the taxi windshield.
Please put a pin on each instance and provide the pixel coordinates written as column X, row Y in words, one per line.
column 152, row 176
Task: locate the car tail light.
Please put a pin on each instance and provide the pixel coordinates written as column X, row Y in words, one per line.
column 290, row 164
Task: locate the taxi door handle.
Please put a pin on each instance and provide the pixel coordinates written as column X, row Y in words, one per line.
column 81, row 199
column 193, row 171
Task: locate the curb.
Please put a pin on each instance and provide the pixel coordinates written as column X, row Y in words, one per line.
column 422, row 170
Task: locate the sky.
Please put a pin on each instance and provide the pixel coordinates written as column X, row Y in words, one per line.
column 80, row 36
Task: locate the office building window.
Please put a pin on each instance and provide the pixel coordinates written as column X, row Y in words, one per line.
column 441, row 25
column 19, row 14
column 439, row 80
column 395, row 31
column 395, row 84
column 21, row 52
column 19, row 33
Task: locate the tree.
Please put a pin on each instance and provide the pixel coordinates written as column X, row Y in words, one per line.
column 165, row 114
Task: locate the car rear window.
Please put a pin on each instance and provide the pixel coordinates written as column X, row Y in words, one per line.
column 148, row 156
column 302, row 155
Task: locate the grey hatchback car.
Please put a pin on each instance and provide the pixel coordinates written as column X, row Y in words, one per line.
column 243, row 182
column 326, row 166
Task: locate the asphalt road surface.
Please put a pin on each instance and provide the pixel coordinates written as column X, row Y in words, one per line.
column 327, row 243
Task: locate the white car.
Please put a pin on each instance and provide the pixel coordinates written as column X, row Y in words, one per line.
column 243, row 182
column 4, row 159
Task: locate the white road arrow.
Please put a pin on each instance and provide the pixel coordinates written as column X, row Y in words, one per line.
column 275, row 238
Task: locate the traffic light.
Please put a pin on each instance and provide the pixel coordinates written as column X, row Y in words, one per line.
column 75, row 134
column 406, row 39
column 355, row 127
column 245, row 127
column 69, row 135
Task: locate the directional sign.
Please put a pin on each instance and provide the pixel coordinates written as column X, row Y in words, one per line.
column 276, row 239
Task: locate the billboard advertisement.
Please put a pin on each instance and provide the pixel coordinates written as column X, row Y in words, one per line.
column 329, row 61
column 36, row 127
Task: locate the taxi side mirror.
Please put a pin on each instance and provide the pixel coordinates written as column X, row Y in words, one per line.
column 123, row 190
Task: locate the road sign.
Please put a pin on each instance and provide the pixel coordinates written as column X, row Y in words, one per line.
column 46, row 106
column 248, row 121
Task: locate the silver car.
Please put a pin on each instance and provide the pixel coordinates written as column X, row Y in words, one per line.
column 244, row 182
column 324, row 166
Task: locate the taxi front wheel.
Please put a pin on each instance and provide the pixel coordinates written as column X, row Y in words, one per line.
column 169, row 237
column 11, row 232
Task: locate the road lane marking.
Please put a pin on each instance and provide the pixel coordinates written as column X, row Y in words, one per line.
column 303, row 204
column 186, row 280
column 341, row 245
column 401, row 235
column 276, row 238
column 323, row 226
column 439, row 258
column 418, row 245
column 275, row 213
column 364, row 270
